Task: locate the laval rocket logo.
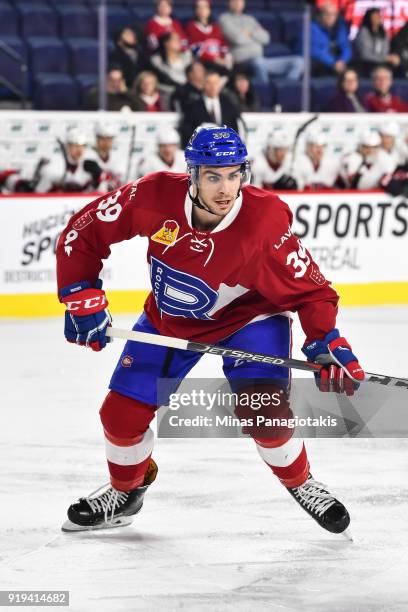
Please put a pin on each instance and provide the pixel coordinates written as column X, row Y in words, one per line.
column 167, row 234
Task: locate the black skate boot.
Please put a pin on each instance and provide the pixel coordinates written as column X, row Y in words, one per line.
column 321, row 505
column 111, row 508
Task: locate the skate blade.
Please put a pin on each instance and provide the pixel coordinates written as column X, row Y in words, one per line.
column 347, row 535
column 70, row 527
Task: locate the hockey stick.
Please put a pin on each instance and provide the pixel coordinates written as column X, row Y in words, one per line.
column 298, row 134
column 200, row 347
column 130, row 153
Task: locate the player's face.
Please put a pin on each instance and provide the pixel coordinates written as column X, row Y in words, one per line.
column 218, row 188
column 75, row 151
column 369, row 153
column 167, row 152
column 277, row 154
column 104, row 144
column 387, row 142
column 315, row 151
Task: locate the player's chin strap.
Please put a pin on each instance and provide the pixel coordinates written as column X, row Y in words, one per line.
column 197, row 202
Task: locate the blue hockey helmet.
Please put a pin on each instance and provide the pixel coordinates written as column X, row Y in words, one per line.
column 216, row 146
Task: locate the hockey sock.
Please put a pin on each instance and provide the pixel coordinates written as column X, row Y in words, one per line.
column 128, row 439
column 286, row 458
column 281, row 451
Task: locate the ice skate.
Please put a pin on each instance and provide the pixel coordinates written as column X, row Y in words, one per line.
column 110, row 508
column 326, row 510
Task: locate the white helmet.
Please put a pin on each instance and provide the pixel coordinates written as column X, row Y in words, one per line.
column 370, row 138
column 389, row 129
column 75, row 136
column 315, row 137
column 168, row 136
column 105, row 130
column 278, row 140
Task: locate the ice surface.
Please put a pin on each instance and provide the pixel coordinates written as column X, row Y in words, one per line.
column 217, row 531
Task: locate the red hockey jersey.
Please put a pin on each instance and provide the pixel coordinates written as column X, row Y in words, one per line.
column 205, row 285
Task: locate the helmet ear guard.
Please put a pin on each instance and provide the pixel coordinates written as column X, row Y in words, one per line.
column 245, row 173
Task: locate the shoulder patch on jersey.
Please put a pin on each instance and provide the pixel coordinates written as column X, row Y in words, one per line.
column 316, row 276
column 167, row 234
column 83, row 221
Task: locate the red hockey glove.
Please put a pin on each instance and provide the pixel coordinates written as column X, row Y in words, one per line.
column 342, row 372
column 86, row 317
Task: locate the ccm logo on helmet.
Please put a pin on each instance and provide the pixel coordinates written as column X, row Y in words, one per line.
column 224, row 153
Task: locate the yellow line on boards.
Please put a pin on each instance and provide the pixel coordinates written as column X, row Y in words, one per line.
column 47, row 304
column 131, row 302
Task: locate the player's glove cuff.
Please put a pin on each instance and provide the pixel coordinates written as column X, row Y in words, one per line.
column 335, row 349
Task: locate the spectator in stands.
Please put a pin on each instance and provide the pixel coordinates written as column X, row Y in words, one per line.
column 381, row 100
column 399, row 47
column 168, row 157
column 273, row 168
column 118, row 96
column 163, row 23
column 330, row 45
column 146, row 94
column 170, row 62
column 244, row 93
column 105, row 166
column 191, row 90
column 247, row 38
column 206, row 39
column 128, row 55
column 65, row 171
column 366, row 167
column 346, row 99
column 213, row 107
column 389, row 133
column 316, row 168
column 371, row 46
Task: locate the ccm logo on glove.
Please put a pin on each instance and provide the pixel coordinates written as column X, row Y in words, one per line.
column 92, row 301
column 87, row 316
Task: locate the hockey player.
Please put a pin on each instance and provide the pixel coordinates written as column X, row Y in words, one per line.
column 168, row 157
column 65, row 171
column 389, row 133
column 366, row 167
column 272, row 168
column 102, row 162
column 226, row 268
column 316, row 168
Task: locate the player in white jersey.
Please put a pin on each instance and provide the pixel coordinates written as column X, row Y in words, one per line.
column 272, row 169
column 364, row 168
column 102, row 161
column 168, row 157
column 404, row 148
column 65, row 171
column 389, row 133
column 316, row 168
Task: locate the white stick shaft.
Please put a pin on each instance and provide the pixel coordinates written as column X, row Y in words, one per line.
column 125, row 334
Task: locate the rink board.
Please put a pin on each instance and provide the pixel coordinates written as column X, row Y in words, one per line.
column 359, row 240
